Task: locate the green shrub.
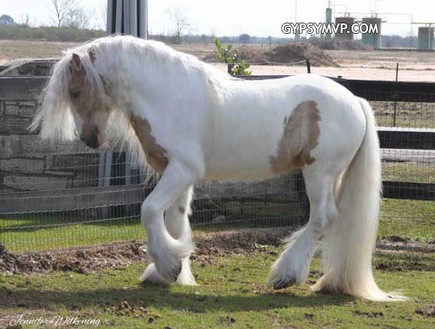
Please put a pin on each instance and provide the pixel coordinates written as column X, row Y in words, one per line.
column 236, row 65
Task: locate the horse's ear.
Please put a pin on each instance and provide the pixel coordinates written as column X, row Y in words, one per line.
column 78, row 71
column 92, row 56
column 76, row 64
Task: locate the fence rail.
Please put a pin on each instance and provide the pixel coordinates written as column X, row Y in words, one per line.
column 402, row 138
column 407, row 138
column 398, row 91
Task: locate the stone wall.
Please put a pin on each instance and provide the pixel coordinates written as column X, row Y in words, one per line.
column 16, row 116
column 27, row 163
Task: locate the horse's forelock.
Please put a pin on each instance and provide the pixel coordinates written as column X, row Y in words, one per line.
column 54, row 115
column 90, row 60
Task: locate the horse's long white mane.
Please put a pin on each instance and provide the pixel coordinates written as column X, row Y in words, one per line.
column 124, row 56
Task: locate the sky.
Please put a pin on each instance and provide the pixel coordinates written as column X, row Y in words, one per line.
column 235, row 17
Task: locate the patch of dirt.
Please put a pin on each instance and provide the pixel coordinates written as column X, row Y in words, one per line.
column 125, row 308
column 396, row 243
column 209, row 245
column 245, row 242
column 227, row 320
column 370, row 314
column 294, row 52
column 76, row 260
column 283, row 54
column 84, row 260
column 427, row 312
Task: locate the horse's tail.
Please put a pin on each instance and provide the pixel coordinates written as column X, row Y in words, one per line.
column 349, row 244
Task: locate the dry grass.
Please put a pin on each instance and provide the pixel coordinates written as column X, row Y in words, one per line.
column 414, row 66
column 17, row 49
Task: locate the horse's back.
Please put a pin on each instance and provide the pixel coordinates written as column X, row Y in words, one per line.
column 263, row 128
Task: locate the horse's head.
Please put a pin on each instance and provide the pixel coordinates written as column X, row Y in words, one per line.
column 90, row 111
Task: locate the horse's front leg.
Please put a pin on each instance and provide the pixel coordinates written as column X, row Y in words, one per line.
column 177, row 224
column 166, row 250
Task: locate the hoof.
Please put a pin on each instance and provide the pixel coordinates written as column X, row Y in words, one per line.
column 169, row 275
column 173, row 274
column 284, row 283
column 151, row 275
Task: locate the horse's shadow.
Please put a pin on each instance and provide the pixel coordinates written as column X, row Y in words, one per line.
column 137, row 299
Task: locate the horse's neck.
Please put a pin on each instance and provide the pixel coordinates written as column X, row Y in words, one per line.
column 129, row 74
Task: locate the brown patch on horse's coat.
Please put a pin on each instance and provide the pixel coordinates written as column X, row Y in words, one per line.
column 182, row 210
column 300, row 137
column 154, row 152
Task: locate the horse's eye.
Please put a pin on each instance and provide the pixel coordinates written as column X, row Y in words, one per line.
column 75, row 94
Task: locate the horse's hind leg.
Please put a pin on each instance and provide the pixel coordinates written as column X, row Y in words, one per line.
column 292, row 267
column 177, row 224
column 166, row 251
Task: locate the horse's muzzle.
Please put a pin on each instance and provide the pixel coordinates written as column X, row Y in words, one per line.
column 91, row 139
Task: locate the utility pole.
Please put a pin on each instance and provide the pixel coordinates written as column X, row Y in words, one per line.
column 297, row 34
column 123, row 17
column 128, row 17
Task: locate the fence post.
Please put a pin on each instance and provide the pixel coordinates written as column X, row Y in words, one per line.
column 395, row 103
column 104, row 176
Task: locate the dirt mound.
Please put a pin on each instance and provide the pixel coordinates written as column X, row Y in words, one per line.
column 282, row 54
column 295, row 52
column 255, row 55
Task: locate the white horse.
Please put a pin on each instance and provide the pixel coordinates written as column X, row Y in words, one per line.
column 194, row 122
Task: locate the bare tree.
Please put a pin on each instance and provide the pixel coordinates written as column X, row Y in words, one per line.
column 25, row 20
column 77, row 18
column 69, row 13
column 102, row 16
column 62, row 10
column 177, row 16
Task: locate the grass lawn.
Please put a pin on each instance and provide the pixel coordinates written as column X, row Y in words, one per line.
column 231, row 294
column 408, row 114
column 231, row 291
column 68, row 236
column 408, row 172
column 406, row 218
